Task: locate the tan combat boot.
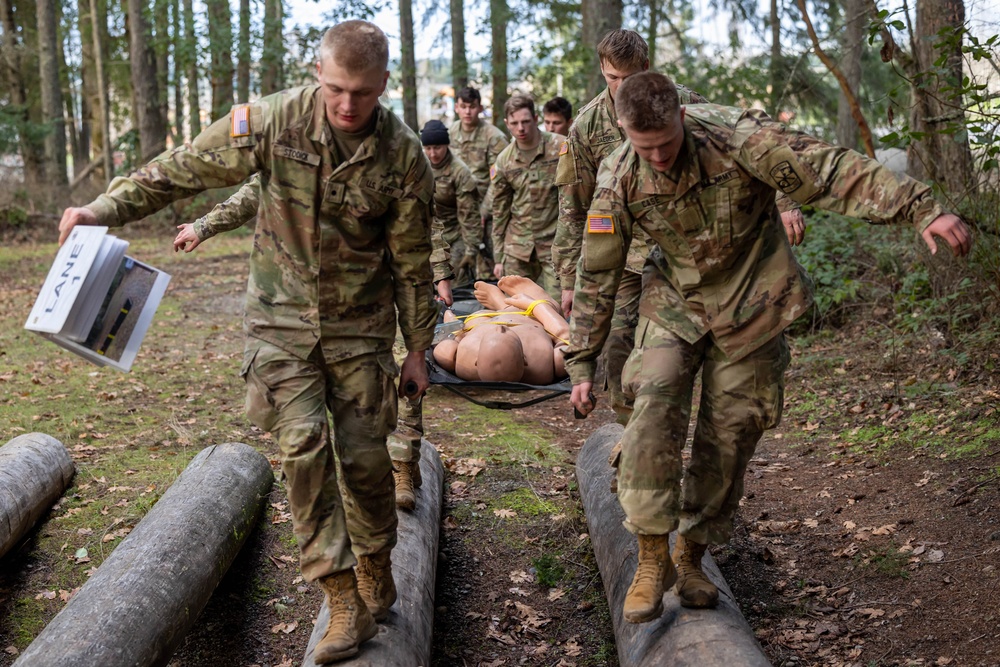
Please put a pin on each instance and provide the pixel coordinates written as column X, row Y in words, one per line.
column 375, row 584
column 693, row 588
column 405, row 498
column 654, row 575
column 350, row 621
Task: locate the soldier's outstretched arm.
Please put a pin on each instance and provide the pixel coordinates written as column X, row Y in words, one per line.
column 950, row 228
column 231, row 214
column 224, row 154
column 838, row 179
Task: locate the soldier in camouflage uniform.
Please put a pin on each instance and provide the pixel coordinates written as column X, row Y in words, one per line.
column 342, row 243
column 593, row 137
column 525, row 198
column 404, row 442
column 719, row 289
column 478, row 144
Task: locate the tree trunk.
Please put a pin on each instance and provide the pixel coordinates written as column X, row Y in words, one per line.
column 405, row 637
column 243, row 54
column 13, row 65
column 777, row 84
column 177, row 77
column 459, row 61
column 145, row 88
column 653, row 30
column 852, row 45
column 220, row 45
column 599, row 18
column 498, row 58
column 51, row 88
column 272, row 76
column 142, row 600
column 99, row 35
column 162, row 49
column 409, row 65
column 35, row 470
column 89, row 105
column 680, row 637
column 845, row 88
column 191, row 68
column 943, row 154
column 79, row 148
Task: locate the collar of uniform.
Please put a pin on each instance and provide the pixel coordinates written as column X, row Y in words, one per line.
column 319, row 130
column 448, row 157
column 609, row 106
column 683, row 175
column 534, row 152
column 464, row 137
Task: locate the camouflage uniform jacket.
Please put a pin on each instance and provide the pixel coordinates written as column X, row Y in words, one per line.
column 456, row 204
column 478, row 150
column 594, row 135
column 242, row 206
column 526, row 200
column 722, row 264
column 339, row 247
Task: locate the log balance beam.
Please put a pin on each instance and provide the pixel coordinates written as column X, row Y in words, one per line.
column 681, row 637
column 143, row 599
column 35, row 470
column 404, row 639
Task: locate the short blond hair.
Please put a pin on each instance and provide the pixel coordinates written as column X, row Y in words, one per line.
column 624, row 50
column 517, row 102
column 358, row 46
column 647, row 101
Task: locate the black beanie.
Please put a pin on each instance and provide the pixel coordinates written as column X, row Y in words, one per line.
column 434, row 134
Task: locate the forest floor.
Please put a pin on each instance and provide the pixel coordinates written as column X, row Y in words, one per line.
column 869, row 534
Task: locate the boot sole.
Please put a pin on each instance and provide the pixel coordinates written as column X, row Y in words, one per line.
column 408, row 504
column 637, row 617
column 691, row 603
column 348, row 652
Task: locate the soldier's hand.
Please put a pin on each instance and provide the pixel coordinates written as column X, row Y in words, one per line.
column 467, row 263
column 950, row 228
column 498, row 271
column 185, row 236
column 795, row 227
column 567, row 302
column 413, row 380
column 444, row 291
column 582, row 398
column 72, row 217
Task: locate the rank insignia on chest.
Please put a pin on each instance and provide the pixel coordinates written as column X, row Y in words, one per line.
column 600, row 224
column 240, row 117
column 493, row 172
column 564, row 148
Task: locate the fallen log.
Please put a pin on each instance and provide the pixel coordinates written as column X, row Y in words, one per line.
column 404, row 639
column 144, row 598
column 35, row 470
column 681, row 637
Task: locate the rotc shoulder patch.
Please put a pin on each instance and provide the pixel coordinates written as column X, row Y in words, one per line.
column 564, row 148
column 785, row 177
column 600, row 224
column 240, row 117
column 493, row 172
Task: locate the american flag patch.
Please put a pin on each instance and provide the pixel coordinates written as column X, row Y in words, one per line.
column 493, row 172
column 240, row 121
column 564, row 148
column 600, row 224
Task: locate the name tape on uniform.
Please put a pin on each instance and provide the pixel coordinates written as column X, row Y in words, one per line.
column 600, row 224
column 240, row 117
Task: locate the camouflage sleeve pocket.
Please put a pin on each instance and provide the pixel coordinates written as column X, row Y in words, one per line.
column 603, row 251
column 782, row 169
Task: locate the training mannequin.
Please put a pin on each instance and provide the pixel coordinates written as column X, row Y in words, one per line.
column 518, row 338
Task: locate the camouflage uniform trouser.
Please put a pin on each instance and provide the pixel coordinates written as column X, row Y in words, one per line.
column 404, row 442
column 542, row 273
column 621, row 340
column 290, row 397
column 739, row 401
column 484, row 261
